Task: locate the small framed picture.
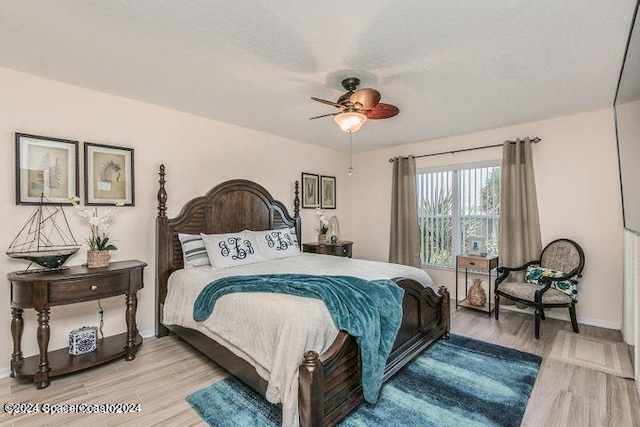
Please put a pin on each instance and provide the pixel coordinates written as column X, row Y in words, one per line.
column 46, row 170
column 476, row 246
column 108, row 175
column 310, row 191
column 328, row 192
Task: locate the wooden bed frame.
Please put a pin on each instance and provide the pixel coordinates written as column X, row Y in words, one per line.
column 329, row 384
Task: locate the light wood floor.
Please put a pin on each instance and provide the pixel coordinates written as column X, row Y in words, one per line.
column 167, row 370
column 564, row 394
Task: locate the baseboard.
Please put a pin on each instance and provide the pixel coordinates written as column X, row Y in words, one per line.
column 562, row 316
column 4, row 372
column 636, row 365
column 147, row 334
column 556, row 314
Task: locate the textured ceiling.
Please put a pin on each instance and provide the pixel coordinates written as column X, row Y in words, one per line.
column 450, row 66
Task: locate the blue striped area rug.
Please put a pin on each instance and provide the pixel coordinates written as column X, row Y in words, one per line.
column 459, row 382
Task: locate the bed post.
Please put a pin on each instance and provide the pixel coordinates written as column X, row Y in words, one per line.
column 162, row 263
column 311, row 391
column 296, row 201
column 162, row 195
column 445, row 311
column 296, row 213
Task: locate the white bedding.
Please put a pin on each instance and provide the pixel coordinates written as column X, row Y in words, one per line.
column 241, row 321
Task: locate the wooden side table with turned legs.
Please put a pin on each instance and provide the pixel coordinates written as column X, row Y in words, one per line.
column 42, row 290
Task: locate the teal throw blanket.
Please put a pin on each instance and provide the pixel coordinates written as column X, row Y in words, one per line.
column 371, row 311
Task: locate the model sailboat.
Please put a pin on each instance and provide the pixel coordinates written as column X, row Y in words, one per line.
column 46, row 238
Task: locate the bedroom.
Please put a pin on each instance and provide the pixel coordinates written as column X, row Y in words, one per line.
column 54, row 99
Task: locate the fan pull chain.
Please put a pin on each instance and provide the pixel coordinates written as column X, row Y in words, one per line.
column 351, row 150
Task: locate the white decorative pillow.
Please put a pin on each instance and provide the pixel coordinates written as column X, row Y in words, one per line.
column 194, row 253
column 228, row 250
column 274, row 244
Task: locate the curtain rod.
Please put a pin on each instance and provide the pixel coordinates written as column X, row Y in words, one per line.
column 535, row 140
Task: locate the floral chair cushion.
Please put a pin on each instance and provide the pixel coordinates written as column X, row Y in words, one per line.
column 569, row 287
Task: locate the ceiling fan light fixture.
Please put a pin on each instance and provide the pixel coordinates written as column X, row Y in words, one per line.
column 350, row 121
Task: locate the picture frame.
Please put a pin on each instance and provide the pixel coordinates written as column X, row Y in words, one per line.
column 328, row 192
column 310, row 190
column 476, row 246
column 108, row 175
column 46, row 170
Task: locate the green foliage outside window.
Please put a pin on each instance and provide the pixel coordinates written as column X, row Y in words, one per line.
column 449, row 213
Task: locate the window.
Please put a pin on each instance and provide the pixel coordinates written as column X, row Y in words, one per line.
column 455, row 204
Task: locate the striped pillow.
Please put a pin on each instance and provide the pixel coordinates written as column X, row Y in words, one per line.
column 194, row 253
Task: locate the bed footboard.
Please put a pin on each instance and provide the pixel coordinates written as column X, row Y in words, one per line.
column 330, row 384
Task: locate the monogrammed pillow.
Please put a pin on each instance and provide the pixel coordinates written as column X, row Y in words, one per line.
column 274, row 244
column 228, row 250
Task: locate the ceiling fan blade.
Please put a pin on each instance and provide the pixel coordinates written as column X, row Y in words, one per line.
column 325, row 115
column 382, row 111
column 367, row 97
column 324, row 101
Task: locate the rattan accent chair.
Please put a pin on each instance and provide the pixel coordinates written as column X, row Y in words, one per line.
column 564, row 256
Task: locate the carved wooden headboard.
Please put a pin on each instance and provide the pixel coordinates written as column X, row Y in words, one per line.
column 229, row 207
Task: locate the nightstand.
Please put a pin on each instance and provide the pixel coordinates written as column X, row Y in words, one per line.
column 42, row 290
column 478, row 265
column 341, row 248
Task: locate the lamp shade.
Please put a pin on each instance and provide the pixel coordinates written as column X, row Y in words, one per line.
column 350, row 121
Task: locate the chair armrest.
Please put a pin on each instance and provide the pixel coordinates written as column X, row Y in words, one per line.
column 546, row 281
column 503, row 272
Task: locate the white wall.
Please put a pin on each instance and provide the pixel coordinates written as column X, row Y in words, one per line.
column 628, row 131
column 628, row 128
column 633, row 257
column 629, row 288
column 577, row 180
column 197, row 152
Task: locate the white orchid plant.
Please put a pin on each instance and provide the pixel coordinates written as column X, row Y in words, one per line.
column 98, row 224
column 324, row 222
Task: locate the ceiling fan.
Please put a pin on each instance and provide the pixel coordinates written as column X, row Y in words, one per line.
column 356, row 106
